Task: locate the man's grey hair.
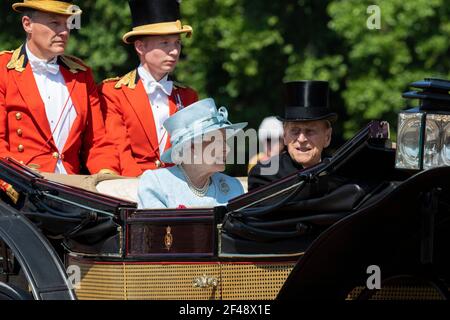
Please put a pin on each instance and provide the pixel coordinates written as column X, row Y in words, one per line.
column 30, row 13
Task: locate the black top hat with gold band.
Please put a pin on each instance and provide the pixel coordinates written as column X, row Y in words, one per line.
column 307, row 101
column 58, row 7
column 155, row 17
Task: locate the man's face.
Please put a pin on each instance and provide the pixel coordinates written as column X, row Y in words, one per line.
column 159, row 53
column 47, row 32
column 306, row 140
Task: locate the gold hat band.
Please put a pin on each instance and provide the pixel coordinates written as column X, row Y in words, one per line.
column 163, row 28
column 58, row 7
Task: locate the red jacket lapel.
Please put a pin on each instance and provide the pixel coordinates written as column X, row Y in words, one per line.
column 29, row 91
column 139, row 102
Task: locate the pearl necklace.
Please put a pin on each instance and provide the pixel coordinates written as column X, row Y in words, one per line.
column 200, row 192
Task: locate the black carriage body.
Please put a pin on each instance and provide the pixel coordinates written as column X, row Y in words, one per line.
column 246, row 250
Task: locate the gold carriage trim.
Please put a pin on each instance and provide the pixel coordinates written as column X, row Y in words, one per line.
column 168, row 239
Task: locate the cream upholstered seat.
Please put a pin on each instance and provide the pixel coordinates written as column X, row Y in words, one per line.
column 111, row 185
column 128, row 188
column 116, row 186
column 120, row 188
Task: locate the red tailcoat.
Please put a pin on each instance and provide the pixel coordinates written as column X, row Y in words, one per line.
column 130, row 123
column 24, row 129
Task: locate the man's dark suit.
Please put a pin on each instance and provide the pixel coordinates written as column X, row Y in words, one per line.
column 286, row 167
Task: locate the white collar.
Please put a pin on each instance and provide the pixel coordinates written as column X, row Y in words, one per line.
column 149, row 81
column 32, row 58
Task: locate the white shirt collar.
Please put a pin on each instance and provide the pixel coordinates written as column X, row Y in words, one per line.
column 32, row 58
column 148, row 79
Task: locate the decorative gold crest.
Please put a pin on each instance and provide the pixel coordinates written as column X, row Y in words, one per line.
column 168, row 238
column 223, row 186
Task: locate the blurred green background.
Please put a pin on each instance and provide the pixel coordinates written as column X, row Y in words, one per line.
column 243, row 50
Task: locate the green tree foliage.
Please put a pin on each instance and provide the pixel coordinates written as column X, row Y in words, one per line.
column 242, row 51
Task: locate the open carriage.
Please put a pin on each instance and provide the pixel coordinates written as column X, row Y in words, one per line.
column 297, row 238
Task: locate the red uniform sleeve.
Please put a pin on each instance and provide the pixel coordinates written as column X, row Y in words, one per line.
column 99, row 152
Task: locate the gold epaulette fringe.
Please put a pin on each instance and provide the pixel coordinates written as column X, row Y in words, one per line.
column 127, row 80
column 73, row 63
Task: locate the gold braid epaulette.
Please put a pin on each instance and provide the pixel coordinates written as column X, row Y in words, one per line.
column 111, row 79
column 127, row 80
column 6, row 51
column 17, row 61
column 73, row 63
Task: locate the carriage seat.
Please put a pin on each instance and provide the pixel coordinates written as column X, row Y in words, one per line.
column 120, row 188
column 116, row 186
column 128, row 188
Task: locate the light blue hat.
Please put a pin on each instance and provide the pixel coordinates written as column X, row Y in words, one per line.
column 197, row 119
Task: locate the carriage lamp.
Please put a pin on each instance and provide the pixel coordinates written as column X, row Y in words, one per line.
column 423, row 139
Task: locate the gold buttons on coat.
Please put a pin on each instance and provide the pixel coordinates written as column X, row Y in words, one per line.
column 55, row 155
column 158, row 163
column 20, row 148
column 19, row 132
column 18, row 116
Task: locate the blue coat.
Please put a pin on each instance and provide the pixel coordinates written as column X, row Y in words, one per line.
column 167, row 188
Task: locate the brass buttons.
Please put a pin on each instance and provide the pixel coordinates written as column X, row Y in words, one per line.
column 19, row 132
column 158, row 163
column 18, row 116
column 20, row 148
column 55, row 155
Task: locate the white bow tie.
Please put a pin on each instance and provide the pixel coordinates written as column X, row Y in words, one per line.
column 44, row 67
column 164, row 85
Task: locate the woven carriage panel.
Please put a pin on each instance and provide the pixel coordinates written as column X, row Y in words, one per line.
column 100, row 281
column 170, row 281
column 176, row 281
column 418, row 293
column 254, row 281
column 145, row 281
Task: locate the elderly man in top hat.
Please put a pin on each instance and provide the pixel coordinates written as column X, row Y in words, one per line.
column 307, row 131
column 136, row 105
column 50, row 115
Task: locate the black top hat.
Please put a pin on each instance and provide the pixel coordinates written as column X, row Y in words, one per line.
column 155, row 17
column 145, row 12
column 307, row 101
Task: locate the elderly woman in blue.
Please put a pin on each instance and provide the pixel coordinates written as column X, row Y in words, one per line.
column 198, row 135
